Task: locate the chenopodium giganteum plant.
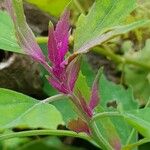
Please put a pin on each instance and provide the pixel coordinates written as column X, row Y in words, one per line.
column 93, row 29
column 63, row 73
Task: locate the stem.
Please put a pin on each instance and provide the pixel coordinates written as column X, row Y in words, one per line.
column 42, row 40
column 120, row 59
column 79, row 109
column 54, row 98
column 95, row 134
column 78, row 5
column 44, row 132
column 105, row 114
column 147, row 104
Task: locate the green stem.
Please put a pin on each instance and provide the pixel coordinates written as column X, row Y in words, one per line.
column 54, row 98
column 44, row 132
column 78, row 5
column 120, row 59
column 42, row 40
column 106, row 114
column 147, row 104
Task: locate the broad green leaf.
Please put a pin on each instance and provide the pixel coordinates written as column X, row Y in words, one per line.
column 140, row 120
column 118, row 128
column 87, row 70
column 50, row 6
column 126, row 28
column 23, row 111
column 8, row 40
column 118, row 30
column 115, row 94
column 103, row 16
column 66, row 108
column 110, row 133
column 138, row 78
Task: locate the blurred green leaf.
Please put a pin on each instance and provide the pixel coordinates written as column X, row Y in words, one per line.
column 14, row 143
column 51, row 143
column 24, row 111
column 140, row 120
column 87, row 71
column 138, row 78
column 8, row 40
column 51, row 6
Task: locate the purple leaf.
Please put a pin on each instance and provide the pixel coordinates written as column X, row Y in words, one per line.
column 53, row 53
column 59, row 39
column 84, row 105
column 62, row 34
column 79, row 126
column 94, row 100
column 25, row 37
column 58, row 85
column 72, row 72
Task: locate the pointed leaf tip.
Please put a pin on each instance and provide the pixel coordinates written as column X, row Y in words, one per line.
column 62, row 33
column 24, row 34
column 53, row 53
column 50, row 25
column 72, row 72
column 94, row 100
column 59, row 39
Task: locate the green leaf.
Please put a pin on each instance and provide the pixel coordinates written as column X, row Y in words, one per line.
column 111, row 93
column 81, row 84
column 138, row 78
column 114, row 96
column 66, row 108
column 50, row 6
column 87, row 70
column 50, row 143
column 140, row 120
column 110, row 133
column 24, row 111
column 8, row 40
column 103, row 16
